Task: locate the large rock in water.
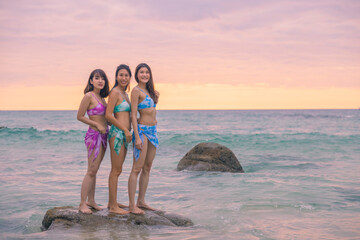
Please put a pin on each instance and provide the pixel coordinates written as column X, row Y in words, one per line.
column 210, row 156
column 65, row 217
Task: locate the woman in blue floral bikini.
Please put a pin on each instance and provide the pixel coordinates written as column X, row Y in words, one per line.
column 144, row 98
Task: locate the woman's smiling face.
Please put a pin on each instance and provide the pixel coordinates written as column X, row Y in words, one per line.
column 123, row 78
column 143, row 75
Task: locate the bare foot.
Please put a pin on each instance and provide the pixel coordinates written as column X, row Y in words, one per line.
column 144, row 205
column 122, row 205
column 84, row 209
column 94, row 205
column 136, row 210
column 118, row 210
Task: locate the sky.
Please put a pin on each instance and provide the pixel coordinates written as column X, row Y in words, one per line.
column 204, row 54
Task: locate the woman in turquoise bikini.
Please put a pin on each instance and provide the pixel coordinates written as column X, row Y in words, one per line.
column 145, row 141
column 118, row 114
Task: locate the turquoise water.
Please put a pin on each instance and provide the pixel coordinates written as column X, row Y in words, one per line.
column 301, row 182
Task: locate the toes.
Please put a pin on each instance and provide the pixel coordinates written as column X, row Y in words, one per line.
column 85, row 211
column 137, row 211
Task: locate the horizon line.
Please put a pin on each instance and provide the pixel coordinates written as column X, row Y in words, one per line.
column 235, row 109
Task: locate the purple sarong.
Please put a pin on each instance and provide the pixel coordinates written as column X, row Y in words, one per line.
column 93, row 141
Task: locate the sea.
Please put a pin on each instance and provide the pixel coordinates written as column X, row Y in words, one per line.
column 301, row 180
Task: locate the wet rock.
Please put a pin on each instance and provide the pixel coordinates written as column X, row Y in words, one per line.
column 210, row 156
column 67, row 217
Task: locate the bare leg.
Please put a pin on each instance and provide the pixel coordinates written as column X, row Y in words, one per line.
column 91, row 197
column 89, row 179
column 137, row 166
column 116, row 169
column 144, row 177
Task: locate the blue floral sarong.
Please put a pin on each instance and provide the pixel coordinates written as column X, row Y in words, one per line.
column 150, row 132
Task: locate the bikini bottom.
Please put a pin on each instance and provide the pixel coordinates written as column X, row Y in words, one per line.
column 120, row 138
column 93, row 141
column 150, row 132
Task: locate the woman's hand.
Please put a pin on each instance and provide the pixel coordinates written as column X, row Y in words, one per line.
column 101, row 128
column 138, row 143
column 128, row 136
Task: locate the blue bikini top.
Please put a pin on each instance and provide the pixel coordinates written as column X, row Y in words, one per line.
column 148, row 102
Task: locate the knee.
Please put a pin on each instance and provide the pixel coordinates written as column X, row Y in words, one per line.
column 116, row 171
column 136, row 170
column 92, row 172
column 146, row 168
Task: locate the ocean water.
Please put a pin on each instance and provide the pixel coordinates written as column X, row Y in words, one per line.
column 301, row 180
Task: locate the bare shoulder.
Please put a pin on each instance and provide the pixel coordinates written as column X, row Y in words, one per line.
column 115, row 96
column 88, row 96
column 135, row 91
column 113, row 93
column 86, row 100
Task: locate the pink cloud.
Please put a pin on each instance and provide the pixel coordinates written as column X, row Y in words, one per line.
column 280, row 43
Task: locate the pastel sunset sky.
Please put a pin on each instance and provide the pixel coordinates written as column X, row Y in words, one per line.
column 204, row 54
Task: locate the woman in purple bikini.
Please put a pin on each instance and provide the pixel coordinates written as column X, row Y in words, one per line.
column 95, row 139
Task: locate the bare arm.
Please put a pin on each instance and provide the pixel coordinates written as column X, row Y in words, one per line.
column 157, row 94
column 84, row 105
column 135, row 95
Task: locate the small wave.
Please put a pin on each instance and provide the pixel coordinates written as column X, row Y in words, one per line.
column 353, row 198
column 270, row 162
column 349, row 194
column 269, row 166
column 311, row 116
column 255, row 167
column 258, row 140
column 33, row 129
column 302, row 207
column 302, row 166
column 31, row 134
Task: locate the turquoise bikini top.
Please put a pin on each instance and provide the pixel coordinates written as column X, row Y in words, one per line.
column 124, row 106
column 148, row 102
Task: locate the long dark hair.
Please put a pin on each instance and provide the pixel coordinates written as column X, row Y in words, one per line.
column 150, row 84
column 126, row 67
column 89, row 87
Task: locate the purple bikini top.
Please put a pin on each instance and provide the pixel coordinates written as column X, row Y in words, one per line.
column 98, row 110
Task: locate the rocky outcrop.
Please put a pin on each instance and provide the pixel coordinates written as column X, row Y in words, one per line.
column 210, row 156
column 66, row 217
